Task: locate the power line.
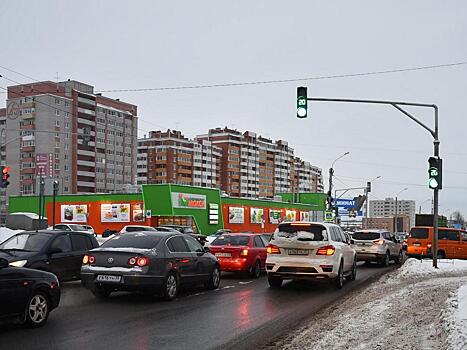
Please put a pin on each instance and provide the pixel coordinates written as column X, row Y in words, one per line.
column 281, row 81
column 275, row 81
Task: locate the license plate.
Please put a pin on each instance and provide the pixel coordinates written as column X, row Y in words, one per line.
column 108, row 278
column 416, row 244
column 223, row 255
column 298, row 251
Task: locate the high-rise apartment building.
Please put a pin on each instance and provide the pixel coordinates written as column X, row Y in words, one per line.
column 254, row 166
column 170, row 157
column 65, row 131
column 389, row 208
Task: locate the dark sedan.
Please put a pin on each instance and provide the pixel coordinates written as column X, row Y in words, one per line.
column 149, row 262
column 27, row 295
column 58, row 252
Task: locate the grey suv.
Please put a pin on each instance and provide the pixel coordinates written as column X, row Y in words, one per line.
column 377, row 245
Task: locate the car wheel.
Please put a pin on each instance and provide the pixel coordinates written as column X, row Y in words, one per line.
column 385, row 260
column 214, row 279
column 256, row 270
column 170, row 286
column 274, row 282
column 441, row 254
column 101, row 293
column 340, row 277
column 400, row 258
column 353, row 275
column 38, row 310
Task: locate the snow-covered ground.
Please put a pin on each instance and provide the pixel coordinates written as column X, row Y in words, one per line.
column 413, row 307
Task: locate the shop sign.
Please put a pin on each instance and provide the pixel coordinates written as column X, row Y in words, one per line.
column 256, row 215
column 188, row 200
column 290, row 215
column 275, row 216
column 115, row 212
column 236, row 215
column 74, row 212
column 213, row 213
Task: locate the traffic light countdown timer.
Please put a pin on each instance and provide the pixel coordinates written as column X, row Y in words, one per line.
column 302, row 103
column 435, row 172
column 5, row 176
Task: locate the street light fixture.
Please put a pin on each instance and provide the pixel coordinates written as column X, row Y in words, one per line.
column 331, row 173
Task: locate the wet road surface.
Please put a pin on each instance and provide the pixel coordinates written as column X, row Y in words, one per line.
column 242, row 314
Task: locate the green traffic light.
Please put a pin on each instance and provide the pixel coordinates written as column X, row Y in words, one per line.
column 432, row 183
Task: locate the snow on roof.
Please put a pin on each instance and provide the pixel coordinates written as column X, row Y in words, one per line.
column 29, row 215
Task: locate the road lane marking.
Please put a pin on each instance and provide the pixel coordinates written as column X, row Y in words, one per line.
column 245, row 282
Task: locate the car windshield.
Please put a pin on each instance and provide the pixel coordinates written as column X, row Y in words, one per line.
column 366, row 236
column 313, row 232
column 140, row 241
column 26, row 241
column 419, row 232
column 75, row 227
column 231, row 240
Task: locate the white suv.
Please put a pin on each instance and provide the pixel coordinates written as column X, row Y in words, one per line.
column 310, row 250
column 377, row 245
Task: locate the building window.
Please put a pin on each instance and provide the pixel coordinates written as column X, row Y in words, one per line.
column 57, row 123
column 67, row 125
column 57, row 112
column 57, row 155
column 57, row 101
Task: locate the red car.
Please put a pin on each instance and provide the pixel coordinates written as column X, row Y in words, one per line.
column 240, row 252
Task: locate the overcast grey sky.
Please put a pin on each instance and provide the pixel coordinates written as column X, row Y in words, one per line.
column 146, row 44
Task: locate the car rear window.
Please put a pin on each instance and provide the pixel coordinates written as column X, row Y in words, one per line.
column 366, row 236
column 231, row 240
column 77, row 227
column 419, row 232
column 142, row 241
column 291, row 230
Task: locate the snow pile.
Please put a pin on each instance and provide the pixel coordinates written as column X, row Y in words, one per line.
column 414, row 268
column 413, row 307
column 455, row 319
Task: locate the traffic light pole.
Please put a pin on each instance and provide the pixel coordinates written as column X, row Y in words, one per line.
column 399, row 106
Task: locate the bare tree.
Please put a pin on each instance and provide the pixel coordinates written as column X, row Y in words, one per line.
column 457, row 218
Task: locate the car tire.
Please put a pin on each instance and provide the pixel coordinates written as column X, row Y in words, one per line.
column 101, row 293
column 214, row 279
column 339, row 280
column 256, row 270
column 353, row 274
column 170, row 286
column 400, row 258
column 38, row 309
column 275, row 282
column 385, row 260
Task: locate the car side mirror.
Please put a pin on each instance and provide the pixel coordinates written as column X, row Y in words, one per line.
column 55, row 250
column 207, row 249
column 3, row 263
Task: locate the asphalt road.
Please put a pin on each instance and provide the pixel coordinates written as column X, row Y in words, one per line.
column 242, row 314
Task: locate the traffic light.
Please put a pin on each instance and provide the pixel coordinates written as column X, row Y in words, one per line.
column 302, row 102
column 435, row 172
column 5, row 176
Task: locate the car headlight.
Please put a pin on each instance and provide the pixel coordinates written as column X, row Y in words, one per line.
column 19, row 263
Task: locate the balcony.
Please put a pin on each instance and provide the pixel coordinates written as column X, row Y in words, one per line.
column 86, row 122
column 86, row 184
column 86, row 153
column 86, row 111
column 86, row 173
column 86, row 163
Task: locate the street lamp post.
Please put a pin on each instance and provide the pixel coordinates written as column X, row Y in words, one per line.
column 55, row 190
column 331, row 173
column 367, row 194
column 434, row 133
column 396, row 211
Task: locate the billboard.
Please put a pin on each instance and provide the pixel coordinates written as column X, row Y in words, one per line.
column 74, row 212
column 236, row 215
column 345, row 205
column 115, row 212
column 256, row 215
column 275, row 216
column 138, row 214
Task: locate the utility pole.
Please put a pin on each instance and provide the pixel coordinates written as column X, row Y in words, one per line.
column 55, row 190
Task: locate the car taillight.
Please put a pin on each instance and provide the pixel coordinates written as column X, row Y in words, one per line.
column 88, row 259
column 272, row 249
column 244, row 252
column 379, row 241
column 428, row 245
column 138, row 261
column 326, row 250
